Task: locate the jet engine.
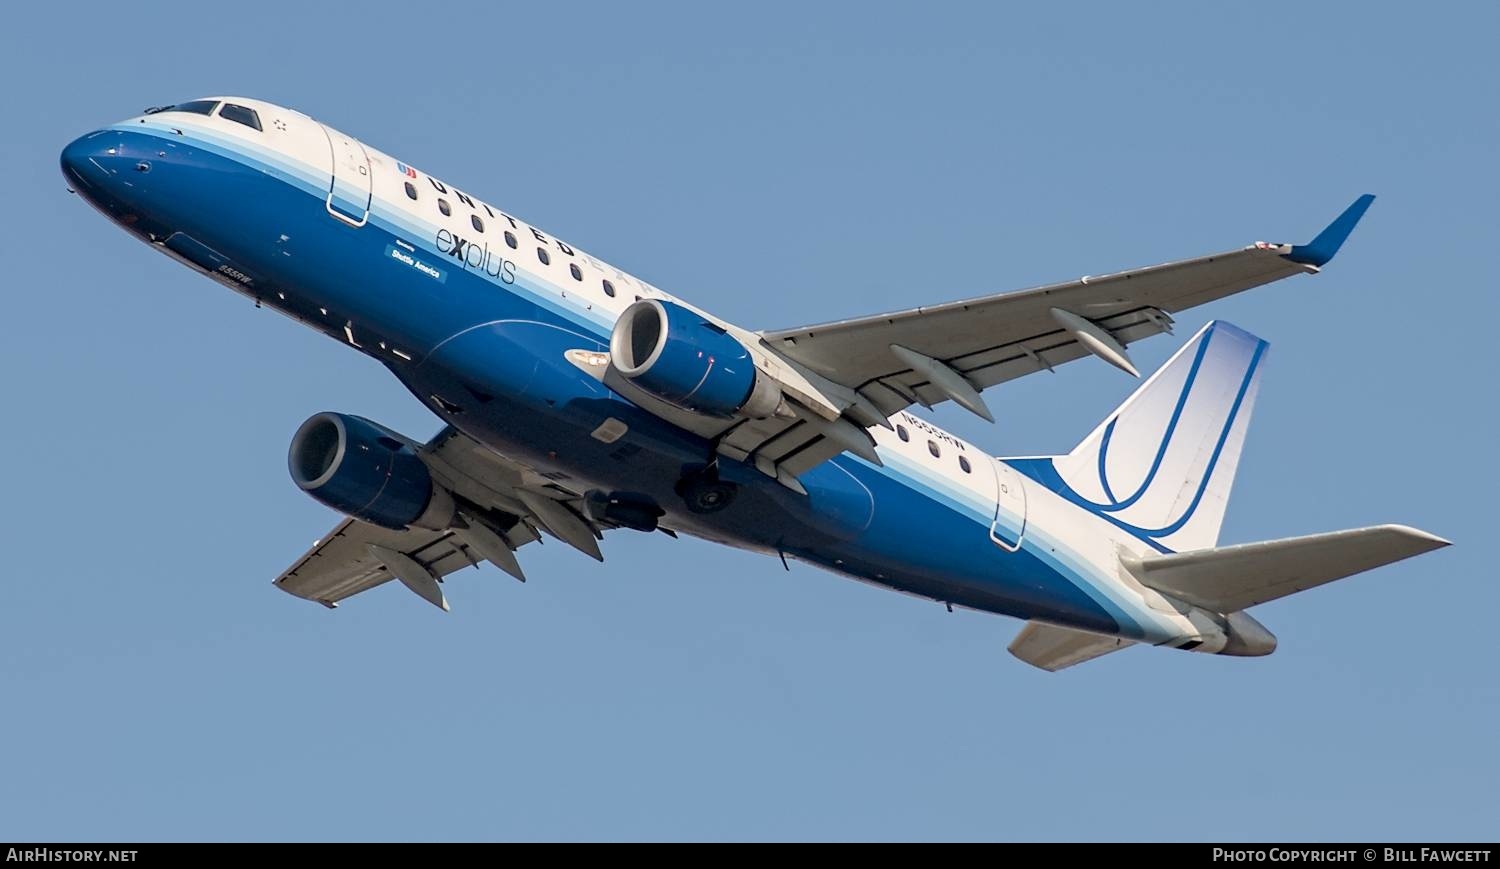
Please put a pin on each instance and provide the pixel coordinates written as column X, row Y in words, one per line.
column 365, row 470
column 688, row 361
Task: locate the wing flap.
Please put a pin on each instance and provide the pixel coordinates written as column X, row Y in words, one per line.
column 1231, row 578
column 1054, row 648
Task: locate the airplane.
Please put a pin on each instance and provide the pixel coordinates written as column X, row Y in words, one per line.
column 578, row 399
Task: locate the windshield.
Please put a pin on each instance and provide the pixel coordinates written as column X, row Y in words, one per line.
column 197, row 107
column 240, row 115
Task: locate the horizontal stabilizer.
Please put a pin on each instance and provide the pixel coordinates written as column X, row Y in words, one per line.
column 1232, row 578
column 1052, row 648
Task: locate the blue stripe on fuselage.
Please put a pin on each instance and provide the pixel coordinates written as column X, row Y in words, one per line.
column 928, row 534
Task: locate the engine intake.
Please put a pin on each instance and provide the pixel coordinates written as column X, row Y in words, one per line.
column 365, row 470
column 678, row 356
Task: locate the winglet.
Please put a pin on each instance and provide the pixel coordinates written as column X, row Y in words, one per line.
column 1321, row 249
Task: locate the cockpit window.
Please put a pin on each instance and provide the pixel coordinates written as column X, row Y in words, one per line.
column 197, row 107
column 240, row 115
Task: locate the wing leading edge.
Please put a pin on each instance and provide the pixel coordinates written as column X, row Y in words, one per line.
column 989, row 340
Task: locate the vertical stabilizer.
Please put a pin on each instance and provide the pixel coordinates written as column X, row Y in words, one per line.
column 1161, row 466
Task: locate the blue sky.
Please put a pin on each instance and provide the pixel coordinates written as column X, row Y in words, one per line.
column 780, row 164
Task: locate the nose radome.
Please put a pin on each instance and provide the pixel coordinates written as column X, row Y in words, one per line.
column 85, row 158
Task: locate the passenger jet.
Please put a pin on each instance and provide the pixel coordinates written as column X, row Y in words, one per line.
column 578, row 399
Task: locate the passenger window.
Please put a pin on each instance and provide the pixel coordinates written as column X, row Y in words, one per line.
column 411, row 191
column 541, row 254
column 932, row 447
column 609, row 289
column 577, row 272
column 444, row 207
column 902, row 433
column 240, row 115
column 963, row 462
column 510, row 239
column 478, row 224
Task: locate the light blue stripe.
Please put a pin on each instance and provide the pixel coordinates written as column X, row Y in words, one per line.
column 915, row 476
column 529, row 284
column 1104, row 590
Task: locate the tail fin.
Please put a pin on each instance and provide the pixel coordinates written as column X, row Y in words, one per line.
column 1161, row 466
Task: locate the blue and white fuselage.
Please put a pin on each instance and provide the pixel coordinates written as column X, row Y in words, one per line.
column 483, row 317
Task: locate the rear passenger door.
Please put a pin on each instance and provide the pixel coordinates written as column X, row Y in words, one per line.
column 1009, row 527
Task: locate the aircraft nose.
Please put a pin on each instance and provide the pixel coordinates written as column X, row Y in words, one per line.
column 87, row 159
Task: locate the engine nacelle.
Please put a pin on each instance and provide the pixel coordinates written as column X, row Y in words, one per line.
column 365, row 470
column 689, row 362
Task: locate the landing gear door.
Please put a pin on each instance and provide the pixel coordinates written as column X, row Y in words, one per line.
column 350, row 185
column 1009, row 527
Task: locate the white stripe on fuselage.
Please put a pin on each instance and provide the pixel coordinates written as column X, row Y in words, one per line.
column 1093, row 565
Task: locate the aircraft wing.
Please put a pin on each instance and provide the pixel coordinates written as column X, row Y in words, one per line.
column 950, row 351
column 341, row 565
column 502, row 507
